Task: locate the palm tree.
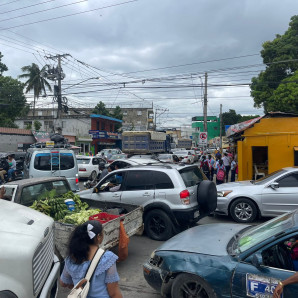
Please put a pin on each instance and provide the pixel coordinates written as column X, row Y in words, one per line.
column 35, row 82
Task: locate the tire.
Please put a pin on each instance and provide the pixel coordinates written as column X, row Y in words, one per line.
column 93, row 175
column 188, row 285
column 158, row 225
column 243, row 210
column 207, row 197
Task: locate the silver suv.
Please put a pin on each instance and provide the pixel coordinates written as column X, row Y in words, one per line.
column 173, row 196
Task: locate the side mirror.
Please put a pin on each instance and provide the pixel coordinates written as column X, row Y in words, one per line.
column 274, row 185
column 257, row 260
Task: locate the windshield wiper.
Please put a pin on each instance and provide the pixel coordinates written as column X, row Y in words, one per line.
column 252, row 182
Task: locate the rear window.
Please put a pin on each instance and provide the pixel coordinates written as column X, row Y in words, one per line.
column 40, row 191
column 54, row 161
column 83, row 161
column 191, row 176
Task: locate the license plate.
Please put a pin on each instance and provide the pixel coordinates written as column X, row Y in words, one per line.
column 196, row 214
column 260, row 286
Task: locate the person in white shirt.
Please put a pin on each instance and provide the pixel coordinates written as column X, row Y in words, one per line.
column 233, row 170
column 226, row 162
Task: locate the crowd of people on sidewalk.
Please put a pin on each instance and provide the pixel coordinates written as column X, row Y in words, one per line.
column 220, row 166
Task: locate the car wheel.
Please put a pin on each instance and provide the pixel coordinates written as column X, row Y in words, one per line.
column 93, row 175
column 188, row 285
column 243, row 210
column 158, row 225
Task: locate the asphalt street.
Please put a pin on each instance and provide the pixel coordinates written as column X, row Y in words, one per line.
column 132, row 282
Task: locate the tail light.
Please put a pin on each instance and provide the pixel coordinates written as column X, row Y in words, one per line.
column 82, row 169
column 77, row 179
column 184, row 197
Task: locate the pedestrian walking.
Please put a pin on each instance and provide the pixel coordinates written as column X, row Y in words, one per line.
column 212, row 164
column 220, row 172
column 227, row 164
column 233, row 170
column 83, row 245
column 205, row 167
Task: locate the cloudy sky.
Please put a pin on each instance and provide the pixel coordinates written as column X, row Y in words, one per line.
column 146, row 51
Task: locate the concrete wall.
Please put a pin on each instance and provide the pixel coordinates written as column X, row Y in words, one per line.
column 10, row 142
column 78, row 126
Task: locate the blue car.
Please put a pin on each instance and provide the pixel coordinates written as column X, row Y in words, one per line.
column 227, row 260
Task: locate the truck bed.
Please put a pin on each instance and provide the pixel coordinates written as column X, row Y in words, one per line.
column 132, row 221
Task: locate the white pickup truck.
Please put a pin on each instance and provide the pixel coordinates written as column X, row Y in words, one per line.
column 29, row 268
column 26, row 191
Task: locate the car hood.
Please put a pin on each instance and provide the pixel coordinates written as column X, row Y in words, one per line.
column 210, row 239
column 232, row 185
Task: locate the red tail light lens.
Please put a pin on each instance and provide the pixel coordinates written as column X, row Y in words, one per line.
column 77, row 179
column 82, row 169
column 184, row 197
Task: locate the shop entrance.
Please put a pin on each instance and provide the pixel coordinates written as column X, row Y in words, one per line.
column 259, row 161
column 295, row 156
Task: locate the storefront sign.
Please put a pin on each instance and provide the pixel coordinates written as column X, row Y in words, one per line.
column 101, row 134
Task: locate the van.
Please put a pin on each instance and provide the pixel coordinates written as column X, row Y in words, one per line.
column 53, row 162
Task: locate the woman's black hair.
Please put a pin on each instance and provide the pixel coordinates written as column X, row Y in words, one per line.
column 78, row 246
column 112, row 167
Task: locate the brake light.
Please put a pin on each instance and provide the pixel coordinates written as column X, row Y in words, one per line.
column 82, row 169
column 77, row 179
column 184, row 197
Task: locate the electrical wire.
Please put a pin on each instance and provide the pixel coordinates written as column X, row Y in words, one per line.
column 69, row 15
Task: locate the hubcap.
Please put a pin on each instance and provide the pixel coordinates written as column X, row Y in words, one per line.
column 243, row 211
column 157, row 225
column 193, row 290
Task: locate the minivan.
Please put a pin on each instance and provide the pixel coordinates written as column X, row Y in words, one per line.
column 52, row 163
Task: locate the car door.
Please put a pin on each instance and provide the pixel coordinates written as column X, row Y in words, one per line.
column 281, row 198
column 251, row 280
column 138, row 187
column 107, row 194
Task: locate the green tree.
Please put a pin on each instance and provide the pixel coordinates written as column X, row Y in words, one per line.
column 101, row 109
column 37, row 125
column 13, row 101
column 248, row 117
column 117, row 113
column 230, row 118
column 275, row 88
column 3, row 67
column 35, row 82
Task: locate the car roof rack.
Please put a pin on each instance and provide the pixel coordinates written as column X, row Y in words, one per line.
column 57, row 141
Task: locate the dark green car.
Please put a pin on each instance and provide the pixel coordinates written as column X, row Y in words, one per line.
column 227, row 260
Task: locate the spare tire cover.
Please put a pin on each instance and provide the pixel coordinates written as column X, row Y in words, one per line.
column 207, row 197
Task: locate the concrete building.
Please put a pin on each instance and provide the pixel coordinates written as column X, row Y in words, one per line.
column 13, row 139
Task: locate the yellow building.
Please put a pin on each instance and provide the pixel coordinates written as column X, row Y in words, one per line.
column 265, row 144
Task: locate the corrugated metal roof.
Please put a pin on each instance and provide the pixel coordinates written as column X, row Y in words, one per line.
column 105, row 117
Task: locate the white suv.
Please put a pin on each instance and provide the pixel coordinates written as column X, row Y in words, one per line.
column 173, row 196
column 88, row 166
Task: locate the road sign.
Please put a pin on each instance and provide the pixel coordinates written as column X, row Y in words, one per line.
column 203, row 138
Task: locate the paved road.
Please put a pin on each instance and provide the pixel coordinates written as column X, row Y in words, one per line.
column 132, row 283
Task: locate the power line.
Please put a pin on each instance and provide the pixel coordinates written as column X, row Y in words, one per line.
column 69, row 15
column 10, row 2
column 20, row 8
column 43, row 10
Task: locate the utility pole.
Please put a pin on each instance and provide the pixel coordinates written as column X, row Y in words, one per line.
column 220, row 129
column 162, row 112
column 57, row 75
column 205, row 104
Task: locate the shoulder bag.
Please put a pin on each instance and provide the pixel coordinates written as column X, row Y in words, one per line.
column 81, row 289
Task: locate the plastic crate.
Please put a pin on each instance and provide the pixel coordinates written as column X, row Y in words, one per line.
column 103, row 217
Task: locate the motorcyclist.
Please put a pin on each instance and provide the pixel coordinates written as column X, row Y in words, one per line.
column 4, row 166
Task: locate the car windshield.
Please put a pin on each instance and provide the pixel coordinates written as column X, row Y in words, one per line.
column 83, row 161
column 264, row 231
column 269, row 177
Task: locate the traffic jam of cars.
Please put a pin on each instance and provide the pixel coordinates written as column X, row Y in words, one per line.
column 238, row 259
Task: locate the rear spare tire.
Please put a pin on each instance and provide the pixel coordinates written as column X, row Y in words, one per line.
column 207, row 197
